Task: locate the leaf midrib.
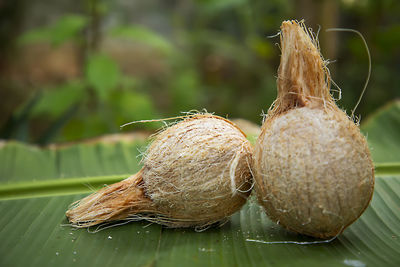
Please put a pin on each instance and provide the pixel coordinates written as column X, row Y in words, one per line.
column 81, row 185
column 57, row 187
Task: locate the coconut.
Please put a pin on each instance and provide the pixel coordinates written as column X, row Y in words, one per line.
column 313, row 169
column 195, row 173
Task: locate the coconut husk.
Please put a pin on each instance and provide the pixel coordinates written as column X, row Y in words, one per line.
column 313, row 169
column 195, row 173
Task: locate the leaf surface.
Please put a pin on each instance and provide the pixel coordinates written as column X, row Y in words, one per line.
column 38, row 184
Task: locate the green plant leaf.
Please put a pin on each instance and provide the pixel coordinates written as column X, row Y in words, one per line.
column 216, row 6
column 383, row 133
column 102, row 74
column 66, row 28
column 143, row 35
column 132, row 105
column 186, row 91
column 38, row 184
column 55, row 101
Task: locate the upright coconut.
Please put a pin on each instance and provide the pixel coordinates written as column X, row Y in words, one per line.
column 313, row 170
column 195, row 173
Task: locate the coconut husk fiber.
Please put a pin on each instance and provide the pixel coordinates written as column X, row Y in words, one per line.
column 313, row 169
column 195, row 173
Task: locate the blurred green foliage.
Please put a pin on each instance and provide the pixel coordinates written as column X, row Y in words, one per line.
column 143, row 35
column 65, row 29
column 149, row 60
column 102, row 74
column 53, row 102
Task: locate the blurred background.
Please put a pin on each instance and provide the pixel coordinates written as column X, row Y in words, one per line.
column 77, row 69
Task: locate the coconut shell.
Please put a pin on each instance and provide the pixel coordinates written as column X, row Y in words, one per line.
column 313, row 169
column 195, row 173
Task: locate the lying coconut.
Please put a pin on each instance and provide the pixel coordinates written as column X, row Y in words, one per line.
column 195, row 173
column 313, row 170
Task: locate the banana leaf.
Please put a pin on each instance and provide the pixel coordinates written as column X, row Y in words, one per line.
column 38, row 184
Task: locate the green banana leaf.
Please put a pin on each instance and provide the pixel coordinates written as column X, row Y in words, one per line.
column 38, row 184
